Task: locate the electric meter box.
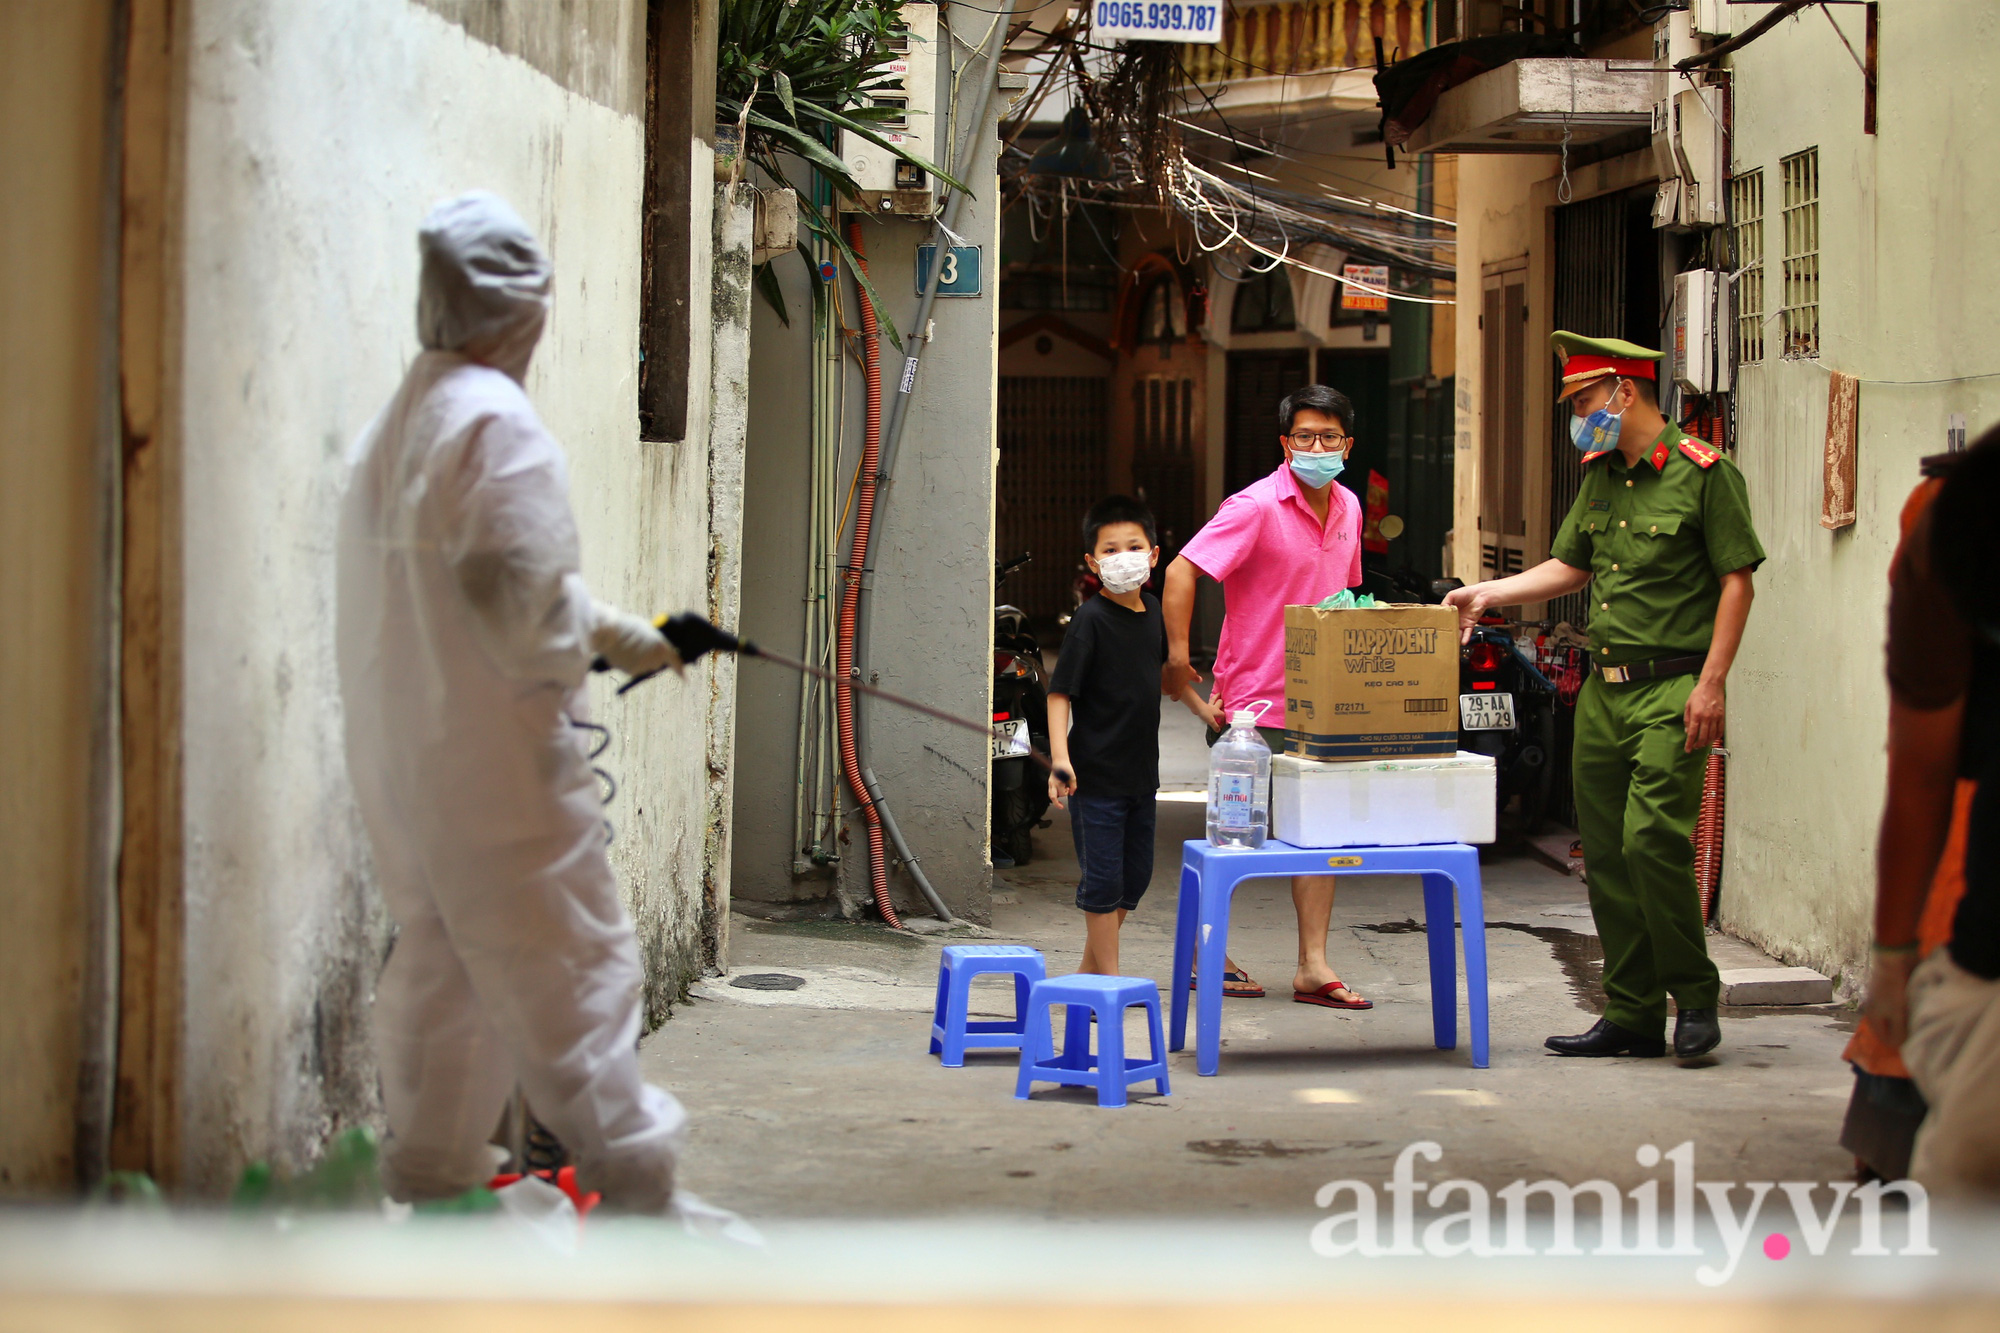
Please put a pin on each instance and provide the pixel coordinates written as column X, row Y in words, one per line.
column 1687, row 152
column 1701, row 316
column 908, row 84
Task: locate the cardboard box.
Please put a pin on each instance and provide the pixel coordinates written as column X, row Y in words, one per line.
column 1383, row 802
column 1371, row 683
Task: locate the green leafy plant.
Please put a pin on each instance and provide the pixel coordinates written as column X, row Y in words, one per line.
column 792, row 74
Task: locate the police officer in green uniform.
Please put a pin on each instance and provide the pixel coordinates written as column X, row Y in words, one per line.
column 1661, row 534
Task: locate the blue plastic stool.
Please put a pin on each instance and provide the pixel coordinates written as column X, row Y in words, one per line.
column 951, row 1034
column 1108, row 1070
column 1209, row 876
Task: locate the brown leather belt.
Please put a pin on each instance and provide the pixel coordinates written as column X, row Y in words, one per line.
column 1654, row 670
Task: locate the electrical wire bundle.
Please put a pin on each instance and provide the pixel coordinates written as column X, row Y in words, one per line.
column 1263, row 226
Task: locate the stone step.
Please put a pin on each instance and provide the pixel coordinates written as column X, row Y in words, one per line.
column 1774, row 986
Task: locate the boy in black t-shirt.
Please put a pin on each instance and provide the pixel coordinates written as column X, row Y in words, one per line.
column 1108, row 681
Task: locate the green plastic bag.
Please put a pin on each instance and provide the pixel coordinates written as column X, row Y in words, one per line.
column 349, row 1176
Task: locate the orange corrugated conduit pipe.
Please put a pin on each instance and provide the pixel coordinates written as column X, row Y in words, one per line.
column 850, row 597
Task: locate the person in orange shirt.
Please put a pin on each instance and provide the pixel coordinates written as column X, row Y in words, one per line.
column 1942, row 1014
column 1885, row 1109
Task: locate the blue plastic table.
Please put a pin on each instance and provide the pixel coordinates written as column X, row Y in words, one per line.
column 1209, row 876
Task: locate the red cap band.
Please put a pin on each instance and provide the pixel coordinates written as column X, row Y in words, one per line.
column 1584, row 366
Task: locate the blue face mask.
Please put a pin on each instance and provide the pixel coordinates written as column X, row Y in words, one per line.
column 1596, row 433
column 1316, row 470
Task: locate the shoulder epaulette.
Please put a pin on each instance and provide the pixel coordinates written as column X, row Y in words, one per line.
column 1704, row 455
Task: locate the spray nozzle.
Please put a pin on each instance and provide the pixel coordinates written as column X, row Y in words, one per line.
column 693, row 637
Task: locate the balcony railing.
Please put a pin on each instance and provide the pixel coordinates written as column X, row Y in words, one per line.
column 1304, row 36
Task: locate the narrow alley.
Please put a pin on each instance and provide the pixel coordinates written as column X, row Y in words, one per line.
column 835, row 1070
column 579, row 571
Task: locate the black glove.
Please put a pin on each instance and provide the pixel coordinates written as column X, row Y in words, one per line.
column 693, row 636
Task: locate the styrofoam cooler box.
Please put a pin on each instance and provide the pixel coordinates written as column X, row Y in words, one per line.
column 1382, row 802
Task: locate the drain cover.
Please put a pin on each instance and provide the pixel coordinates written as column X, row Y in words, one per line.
column 767, row 981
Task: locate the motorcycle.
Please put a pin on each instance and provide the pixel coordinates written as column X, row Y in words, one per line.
column 1507, row 709
column 1020, row 722
column 1506, row 706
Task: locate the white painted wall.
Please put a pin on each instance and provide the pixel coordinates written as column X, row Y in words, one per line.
column 1907, row 266
column 318, row 133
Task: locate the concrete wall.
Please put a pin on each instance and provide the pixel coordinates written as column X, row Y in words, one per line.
column 317, row 135
column 54, row 62
column 928, row 611
column 1498, row 221
column 1906, row 263
column 776, row 556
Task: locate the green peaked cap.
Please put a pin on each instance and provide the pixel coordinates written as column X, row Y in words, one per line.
column 1567, row 344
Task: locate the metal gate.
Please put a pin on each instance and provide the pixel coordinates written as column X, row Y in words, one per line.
column 1052, row 442
column 1258, row 382
column 1503, row 523
column 1163, row 456
column 1607, row 284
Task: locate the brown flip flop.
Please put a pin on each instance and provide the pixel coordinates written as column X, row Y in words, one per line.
column 1235, row 986
column 1324, row 997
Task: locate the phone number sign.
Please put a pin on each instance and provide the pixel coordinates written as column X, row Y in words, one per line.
column 1149, row 22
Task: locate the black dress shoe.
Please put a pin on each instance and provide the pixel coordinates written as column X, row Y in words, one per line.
column 1696, row 1032
column 1607, row 1038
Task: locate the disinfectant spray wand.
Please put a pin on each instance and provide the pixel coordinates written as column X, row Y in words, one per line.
column 693, row 637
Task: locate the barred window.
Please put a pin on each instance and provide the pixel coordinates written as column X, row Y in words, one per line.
column 1746, row 206
column 1800, row 178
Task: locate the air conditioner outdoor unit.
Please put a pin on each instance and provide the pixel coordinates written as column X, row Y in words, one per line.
column 1674, row 40
column 1701, row 317
column 1709, row 18
column 909, row 84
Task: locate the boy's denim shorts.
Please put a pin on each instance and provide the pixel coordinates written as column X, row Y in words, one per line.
column 1114, row 846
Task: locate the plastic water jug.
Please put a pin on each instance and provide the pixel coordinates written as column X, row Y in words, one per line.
column 1239, row 785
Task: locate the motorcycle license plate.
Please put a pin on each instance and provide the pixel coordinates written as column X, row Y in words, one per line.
column 1486, row 712
column 1010, row 739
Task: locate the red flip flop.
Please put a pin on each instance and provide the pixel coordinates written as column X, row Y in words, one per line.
column 1324, row 997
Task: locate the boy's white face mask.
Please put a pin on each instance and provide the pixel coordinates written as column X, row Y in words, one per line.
column 1125, row 570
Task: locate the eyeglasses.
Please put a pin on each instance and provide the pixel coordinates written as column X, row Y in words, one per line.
column 1318, row 441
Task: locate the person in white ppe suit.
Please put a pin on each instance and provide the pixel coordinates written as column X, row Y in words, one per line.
column 465, row 634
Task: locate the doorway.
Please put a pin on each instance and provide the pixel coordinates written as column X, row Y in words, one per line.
column 1052, row 434
column 1258, row 382
column 1364, row 378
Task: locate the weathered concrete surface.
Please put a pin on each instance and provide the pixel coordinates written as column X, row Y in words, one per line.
column 316, row 137
column 821, row 1102
column 1775, row 985
column 926, row 610
column 1902, row 259
column 729, row 414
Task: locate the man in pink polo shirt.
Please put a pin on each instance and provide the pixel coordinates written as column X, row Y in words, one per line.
column 1288, row 540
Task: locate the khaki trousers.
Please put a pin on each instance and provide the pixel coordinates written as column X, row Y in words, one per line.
column 1953, row 1053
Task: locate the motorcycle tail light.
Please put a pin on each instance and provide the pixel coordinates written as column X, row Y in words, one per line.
column 1482, row 656
column 1484, row 685
column 1003, row 662
column 1002, row 716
